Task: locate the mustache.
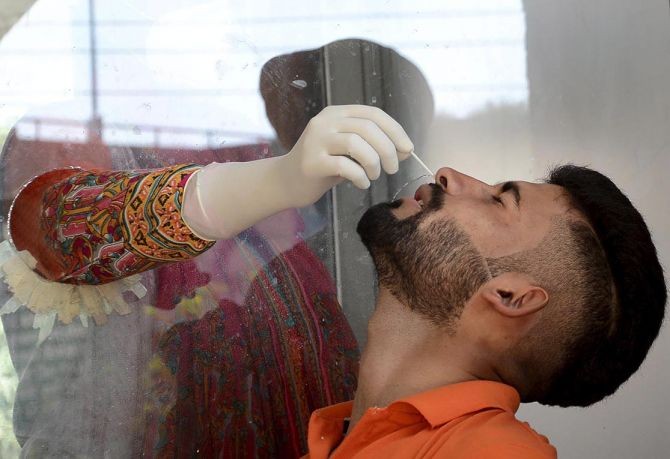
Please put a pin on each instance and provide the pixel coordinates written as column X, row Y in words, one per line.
column 436, row 197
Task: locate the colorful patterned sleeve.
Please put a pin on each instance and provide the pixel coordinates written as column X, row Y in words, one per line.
column 94, row 227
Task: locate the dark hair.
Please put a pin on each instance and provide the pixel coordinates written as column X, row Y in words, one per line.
column 607, row 352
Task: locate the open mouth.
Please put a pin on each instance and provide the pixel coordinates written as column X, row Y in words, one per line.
column 408, row 206
column 423, row 195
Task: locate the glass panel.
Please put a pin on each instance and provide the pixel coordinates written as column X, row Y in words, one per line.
column 495, row 89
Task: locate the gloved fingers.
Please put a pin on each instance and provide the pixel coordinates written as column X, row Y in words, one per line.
column 381, row 145
column 360, row 150
column 348, row 169
column 391, row 127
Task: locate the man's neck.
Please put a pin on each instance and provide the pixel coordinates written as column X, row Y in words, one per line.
column 406, row 354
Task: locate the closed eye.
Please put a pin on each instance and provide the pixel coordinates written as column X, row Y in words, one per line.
column 498, row 199
column 514, row 188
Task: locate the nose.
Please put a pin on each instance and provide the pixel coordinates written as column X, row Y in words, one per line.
column 453, row 182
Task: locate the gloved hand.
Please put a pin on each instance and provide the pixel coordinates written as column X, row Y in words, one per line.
column 345, row 142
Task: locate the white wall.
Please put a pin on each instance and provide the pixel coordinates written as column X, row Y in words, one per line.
column 599, row 95
column 599, row 78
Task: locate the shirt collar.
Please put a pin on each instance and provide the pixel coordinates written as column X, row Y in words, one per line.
column 436, row 406
column 441, row 405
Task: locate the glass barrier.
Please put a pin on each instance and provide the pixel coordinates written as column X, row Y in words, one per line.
column 231, row 351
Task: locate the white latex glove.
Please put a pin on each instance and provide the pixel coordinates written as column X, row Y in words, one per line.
column 343, row 142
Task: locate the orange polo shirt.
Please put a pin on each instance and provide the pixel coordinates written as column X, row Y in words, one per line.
column 469, row 420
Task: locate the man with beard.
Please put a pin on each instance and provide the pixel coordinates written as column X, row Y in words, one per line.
column 488, row 295
column 492, row 295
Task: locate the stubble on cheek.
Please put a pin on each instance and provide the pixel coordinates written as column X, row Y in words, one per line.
column 434, row 272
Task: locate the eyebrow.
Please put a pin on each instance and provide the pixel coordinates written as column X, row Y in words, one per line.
column 514, row 188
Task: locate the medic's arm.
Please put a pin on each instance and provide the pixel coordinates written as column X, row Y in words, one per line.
column 94, row 227
column 91, row 227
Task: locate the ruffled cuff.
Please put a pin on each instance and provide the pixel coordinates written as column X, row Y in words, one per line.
column 54, row 300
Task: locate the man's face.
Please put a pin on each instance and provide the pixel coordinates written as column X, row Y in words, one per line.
column 430, row 251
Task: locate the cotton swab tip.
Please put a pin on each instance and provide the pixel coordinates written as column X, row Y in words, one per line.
column 421, row 163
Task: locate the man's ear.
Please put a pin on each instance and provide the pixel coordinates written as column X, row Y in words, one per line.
column 514, row 295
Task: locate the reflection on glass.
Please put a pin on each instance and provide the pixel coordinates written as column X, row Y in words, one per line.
column 135, row 86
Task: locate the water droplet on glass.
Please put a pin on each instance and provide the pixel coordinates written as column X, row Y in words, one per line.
column 300, row 84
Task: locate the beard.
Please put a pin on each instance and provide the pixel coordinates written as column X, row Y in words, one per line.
column 434, row 270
